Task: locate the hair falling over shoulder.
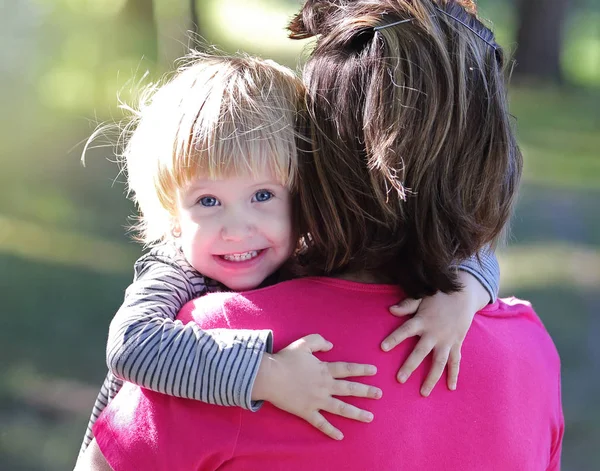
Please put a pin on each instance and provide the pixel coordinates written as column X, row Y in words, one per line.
column 415, row 164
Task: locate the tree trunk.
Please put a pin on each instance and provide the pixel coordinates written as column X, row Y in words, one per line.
column 198, row 38
column 179, row 27
column 139, row 31
column 194, row 25
column 539, row 38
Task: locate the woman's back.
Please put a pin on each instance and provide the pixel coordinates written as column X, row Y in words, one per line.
column 506, row 413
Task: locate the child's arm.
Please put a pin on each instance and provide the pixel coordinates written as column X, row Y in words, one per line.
column 108, row 391
column 147, row 347
column 443, row 320
column 486, row 270
column 295, row 381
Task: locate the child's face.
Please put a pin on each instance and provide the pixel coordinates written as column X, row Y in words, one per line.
column 238, row 230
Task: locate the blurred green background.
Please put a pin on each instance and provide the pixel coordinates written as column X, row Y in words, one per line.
column 65, row 258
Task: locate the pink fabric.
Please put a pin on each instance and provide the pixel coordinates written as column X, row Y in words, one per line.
column 505, row 415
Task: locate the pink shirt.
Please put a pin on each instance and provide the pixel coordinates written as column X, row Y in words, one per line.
column 505, row 415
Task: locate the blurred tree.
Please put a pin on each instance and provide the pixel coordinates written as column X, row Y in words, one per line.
column 180, row 25
column 195, row 25
column 138, row 30
column 198, row 38
column 539, row 38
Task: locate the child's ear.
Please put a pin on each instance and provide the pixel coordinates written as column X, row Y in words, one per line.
column 175, row 228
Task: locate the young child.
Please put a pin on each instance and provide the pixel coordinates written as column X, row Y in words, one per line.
column 211, row 165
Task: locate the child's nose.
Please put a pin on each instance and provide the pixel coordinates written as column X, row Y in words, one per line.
column 237, row 228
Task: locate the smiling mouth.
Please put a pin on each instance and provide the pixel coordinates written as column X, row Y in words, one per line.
column 241, row 257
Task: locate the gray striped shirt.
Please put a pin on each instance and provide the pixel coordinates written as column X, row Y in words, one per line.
column 486, row 269
column 148, row 347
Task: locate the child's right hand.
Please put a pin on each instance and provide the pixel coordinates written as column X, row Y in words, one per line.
column 297, row 382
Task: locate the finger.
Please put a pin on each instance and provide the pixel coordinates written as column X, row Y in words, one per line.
column 351, row 388
column 421, row 350
column 342, row 369
column 440, row 358
column 454, row 367
column 406, row 307
column 409, row 329
column 316, row 343
column 317, row 420
column 343, row 409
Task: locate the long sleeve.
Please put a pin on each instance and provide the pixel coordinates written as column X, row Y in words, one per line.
column 485, row 268
column 148, row 347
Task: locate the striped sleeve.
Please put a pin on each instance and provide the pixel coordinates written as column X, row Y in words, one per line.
column 148, row 347
column 484, row 266
column 109, row 390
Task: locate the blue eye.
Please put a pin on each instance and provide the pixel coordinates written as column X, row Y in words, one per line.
column 262, row 195
column 208, row 201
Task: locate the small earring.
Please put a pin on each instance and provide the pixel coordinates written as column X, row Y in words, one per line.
column 176, row 232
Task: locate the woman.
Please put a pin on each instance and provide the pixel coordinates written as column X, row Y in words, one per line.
column 414, row 165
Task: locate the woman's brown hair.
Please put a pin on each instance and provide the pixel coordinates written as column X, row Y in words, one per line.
column 415, row 164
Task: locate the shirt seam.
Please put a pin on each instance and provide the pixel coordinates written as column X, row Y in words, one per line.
column 237, row 436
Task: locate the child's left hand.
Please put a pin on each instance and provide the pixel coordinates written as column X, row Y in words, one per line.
column 442, row 321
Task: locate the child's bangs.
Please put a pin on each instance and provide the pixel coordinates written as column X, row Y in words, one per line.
column 238, row 149
column 237, row 133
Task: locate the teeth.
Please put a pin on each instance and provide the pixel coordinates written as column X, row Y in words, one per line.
column 240, row 257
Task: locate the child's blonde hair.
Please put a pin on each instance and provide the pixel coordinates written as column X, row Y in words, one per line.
column 218, row 116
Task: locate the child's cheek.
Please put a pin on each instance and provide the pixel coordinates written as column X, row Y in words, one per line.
column 288, row 237
column 284, row 221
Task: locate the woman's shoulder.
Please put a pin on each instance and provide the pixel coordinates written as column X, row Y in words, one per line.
column 520, row 318
column 510, row 307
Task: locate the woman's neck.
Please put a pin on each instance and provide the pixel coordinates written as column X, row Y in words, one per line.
column 361, row 277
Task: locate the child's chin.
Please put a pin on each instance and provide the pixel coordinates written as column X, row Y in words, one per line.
column 239, row 285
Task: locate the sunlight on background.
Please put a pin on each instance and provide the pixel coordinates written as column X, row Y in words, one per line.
column 95, row 8
column 68, row 88
column 581, row 56
column 245, row 24
column 38, row 242
column 542, row 264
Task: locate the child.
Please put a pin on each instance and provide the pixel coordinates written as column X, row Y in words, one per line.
column 212, row 167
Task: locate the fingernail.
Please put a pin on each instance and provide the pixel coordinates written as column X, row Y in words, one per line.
column 371, row 370
column 377, row 393
column 425, row 392
column 367, row 417
column 453, row 387
column 402, row 377
column 385, row 346
column 339, row 436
